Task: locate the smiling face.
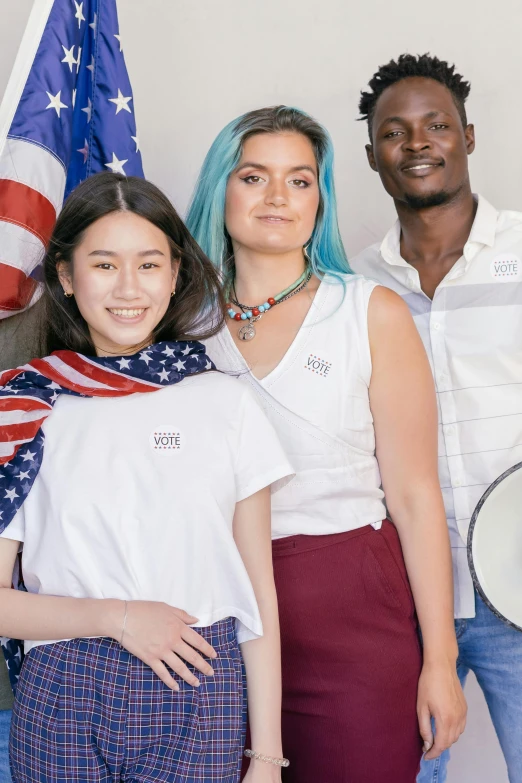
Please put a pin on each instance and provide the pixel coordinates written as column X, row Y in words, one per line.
column 122, row 277
column 419, row 145
column 273, row 194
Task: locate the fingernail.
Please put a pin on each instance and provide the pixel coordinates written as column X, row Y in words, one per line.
column 210, row 672
column 426, row 747
column 214, row 655
column 197, row 683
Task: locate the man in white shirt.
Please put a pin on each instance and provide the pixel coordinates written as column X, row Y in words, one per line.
column 457, row 263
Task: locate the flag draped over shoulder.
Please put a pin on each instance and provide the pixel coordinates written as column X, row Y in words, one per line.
column 67, row 113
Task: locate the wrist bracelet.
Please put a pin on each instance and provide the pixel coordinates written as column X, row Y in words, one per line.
column 124, row 622
column 251, row 754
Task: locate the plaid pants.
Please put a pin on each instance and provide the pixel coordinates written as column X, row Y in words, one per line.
column 87, row 711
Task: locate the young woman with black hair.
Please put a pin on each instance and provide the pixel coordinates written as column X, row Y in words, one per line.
column 137, row 504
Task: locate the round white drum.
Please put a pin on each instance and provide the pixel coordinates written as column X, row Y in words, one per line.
column 495, row 546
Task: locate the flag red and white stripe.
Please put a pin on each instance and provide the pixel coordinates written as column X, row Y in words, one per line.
column 32, row 184
column 22, row 415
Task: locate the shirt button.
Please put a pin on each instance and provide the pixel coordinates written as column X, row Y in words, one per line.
column 450, row 429
column 457, row 483
column 435, row 326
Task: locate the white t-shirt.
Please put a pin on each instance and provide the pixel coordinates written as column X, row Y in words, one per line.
column 136, row 495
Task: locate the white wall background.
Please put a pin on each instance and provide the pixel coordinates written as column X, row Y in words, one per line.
column 196, row 64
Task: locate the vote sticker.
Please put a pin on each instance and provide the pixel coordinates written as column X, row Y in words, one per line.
column 166, row 440
column 506, row 268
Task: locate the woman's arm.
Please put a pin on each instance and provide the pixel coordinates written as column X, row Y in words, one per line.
column 154, row 632
column 403, row 404
column 262, row 656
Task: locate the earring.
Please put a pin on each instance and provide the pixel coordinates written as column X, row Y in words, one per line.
column 68, row 295
column 172, row 294
column 305, row 252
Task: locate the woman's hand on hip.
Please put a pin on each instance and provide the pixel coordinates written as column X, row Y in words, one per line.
column 160, row 635
column 440, row 697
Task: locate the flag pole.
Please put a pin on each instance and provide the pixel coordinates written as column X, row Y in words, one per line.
column 23, row 64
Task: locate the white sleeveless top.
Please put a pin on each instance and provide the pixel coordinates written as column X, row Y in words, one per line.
column 317, row 399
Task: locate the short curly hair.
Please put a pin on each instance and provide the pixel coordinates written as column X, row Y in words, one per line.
column 408, row 65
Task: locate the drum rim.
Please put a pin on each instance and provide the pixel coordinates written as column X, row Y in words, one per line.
column 471, row 530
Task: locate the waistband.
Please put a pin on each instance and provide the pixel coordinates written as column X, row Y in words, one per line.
column 220, row 634
column 295, row 544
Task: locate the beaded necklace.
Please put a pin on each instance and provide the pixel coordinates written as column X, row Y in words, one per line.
column 254, row 313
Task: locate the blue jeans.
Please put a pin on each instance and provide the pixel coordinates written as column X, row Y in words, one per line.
column 493, row 651
column 5, row 724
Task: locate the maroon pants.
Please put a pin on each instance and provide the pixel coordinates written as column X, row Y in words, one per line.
column 351, row 658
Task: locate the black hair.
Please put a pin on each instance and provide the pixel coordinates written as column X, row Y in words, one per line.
column 406, row 66
column 195, row 312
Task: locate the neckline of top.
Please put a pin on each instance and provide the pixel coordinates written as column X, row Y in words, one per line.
column 234, row 352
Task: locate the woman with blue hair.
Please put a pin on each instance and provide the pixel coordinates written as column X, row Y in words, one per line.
column 338, row 365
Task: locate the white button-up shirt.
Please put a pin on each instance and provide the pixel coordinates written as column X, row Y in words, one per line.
column 472, row 332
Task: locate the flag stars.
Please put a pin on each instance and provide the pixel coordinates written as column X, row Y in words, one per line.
column 179, row 365
column 121, row 102
column 84, row 151
column 144, row 356
column 91, row 66
column 78, row 59
column 24, row 474
column 88, row 110
column 56, row 102
column 163, row 375
column 94, row 23
column 29, row 455
column 79, row 13
column 124, row 364
column 69, row 58
column 10, row 494
column 118, row 38
column 73, row 98
column 137, row 142
column 117, row 167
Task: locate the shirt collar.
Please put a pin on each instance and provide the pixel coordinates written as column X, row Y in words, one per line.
column 483, row 232
column 484, row 228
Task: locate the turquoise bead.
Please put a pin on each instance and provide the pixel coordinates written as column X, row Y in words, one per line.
column 249, row 313
column 266, row 306
column 261, row 309
column 231, row 313
column 243, row 316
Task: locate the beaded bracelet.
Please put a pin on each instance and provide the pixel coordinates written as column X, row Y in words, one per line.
column 251, row 754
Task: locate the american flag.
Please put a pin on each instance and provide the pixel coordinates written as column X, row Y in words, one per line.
column 67, row 113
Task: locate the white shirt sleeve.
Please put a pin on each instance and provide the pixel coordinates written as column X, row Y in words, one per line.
column 260, row 459
column 15, row 530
